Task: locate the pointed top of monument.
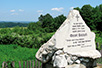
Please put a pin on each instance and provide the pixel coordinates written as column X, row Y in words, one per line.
column 72, row 13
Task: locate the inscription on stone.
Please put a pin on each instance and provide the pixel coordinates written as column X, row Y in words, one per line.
column 78, row 31
column 79, row 36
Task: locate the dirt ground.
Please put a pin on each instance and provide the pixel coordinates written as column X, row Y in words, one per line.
column 99, row 66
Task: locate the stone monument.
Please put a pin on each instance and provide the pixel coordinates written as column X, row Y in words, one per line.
column 72, row 46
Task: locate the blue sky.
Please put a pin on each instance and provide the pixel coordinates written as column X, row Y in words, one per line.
column 30, row 10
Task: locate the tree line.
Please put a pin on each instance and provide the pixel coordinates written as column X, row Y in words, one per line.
column 12, row 24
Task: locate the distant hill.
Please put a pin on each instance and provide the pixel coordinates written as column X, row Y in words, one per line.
column 12, row 24
column 18, row 21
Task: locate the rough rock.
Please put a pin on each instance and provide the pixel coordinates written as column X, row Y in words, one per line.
column 59, row 59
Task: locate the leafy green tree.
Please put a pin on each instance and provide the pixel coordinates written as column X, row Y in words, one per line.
column 51, row 24
column 96, row 17
column 77, row 8
column 100, row 7
column 41, row 18
column 58, row 21
column 35, row 27
column 48, row 19
column 86, row 12
column 47, row 22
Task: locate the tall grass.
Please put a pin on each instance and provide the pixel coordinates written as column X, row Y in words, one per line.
column 16, row 53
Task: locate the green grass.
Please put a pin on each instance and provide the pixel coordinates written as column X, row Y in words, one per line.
column 16, row 53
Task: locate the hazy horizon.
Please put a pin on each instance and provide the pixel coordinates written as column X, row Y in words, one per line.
column 17, row 21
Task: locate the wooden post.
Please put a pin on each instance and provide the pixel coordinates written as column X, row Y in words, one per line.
column 23, row 64
column 30, row 64
column 33, row 64
column 101, row 47
column 38, row 64
column 19, row 64
column 6, row 65
column 3, row 64
column 27, row 65
column 97, row 45
column 13, row 64
column 41, row 65
column 101, row 52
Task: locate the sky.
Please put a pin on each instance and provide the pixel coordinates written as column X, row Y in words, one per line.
column 30, row 10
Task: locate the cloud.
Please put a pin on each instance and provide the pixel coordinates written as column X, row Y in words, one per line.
column 71, row 8
column 39, row 11
column 21, row 10
column 12, row 10
column 57, row 9
column 14, row 13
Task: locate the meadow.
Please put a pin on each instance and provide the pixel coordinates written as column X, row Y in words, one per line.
column 9, row 53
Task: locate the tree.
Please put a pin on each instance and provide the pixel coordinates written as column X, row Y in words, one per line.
column 41, row 18
column 58, row 21
column 96, row 17
column 100, row 7
column 35, row 27
column 47, row 22
column 48, row 19
column 77, row 8
column 86, row 12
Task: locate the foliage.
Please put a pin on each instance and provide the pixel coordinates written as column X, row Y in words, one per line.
column 36, row 27
column 98, row 38
column 23, row 37
column 58, row 21
column 51, row 24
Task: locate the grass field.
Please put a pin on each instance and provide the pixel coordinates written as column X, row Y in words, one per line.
column 16, row 53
